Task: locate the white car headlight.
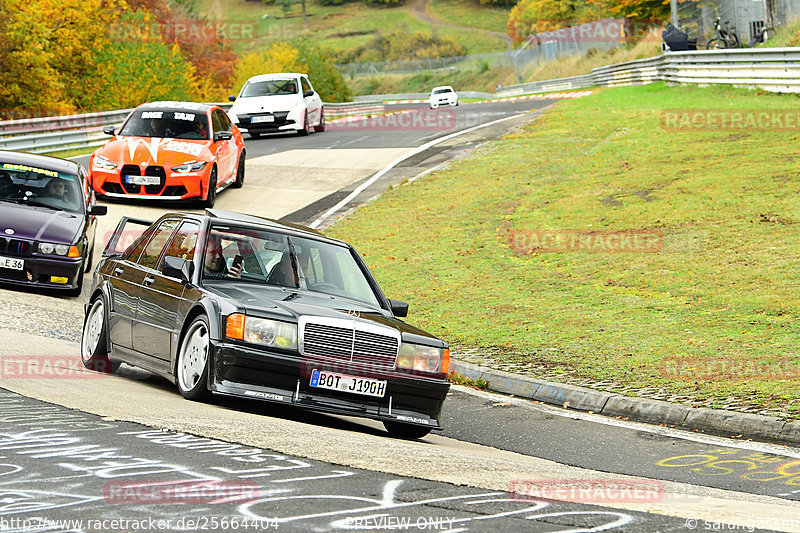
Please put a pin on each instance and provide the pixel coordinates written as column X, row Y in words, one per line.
column 50, row 248
column 262, row 331
column 103, row 163
column 423, row 358
column 189, row 166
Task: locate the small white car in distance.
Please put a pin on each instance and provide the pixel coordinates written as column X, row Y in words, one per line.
column 274, row 103
column 443, row 95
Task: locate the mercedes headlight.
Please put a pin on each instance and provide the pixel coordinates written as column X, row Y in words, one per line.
column 423, row 358
column 262, row 331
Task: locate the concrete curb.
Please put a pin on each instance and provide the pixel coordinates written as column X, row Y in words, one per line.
column 717, row 421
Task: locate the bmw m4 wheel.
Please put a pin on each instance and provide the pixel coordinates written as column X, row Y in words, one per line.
column 211, row 197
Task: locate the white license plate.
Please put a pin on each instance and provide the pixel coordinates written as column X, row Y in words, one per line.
column 266, row 118
column 143, row 180
column 342, row 382
column 13, row 264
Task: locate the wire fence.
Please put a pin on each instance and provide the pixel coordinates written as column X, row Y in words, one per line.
column 546, row 46
column 745, row 17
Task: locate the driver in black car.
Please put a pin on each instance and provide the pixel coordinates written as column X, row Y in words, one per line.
column 214, row 266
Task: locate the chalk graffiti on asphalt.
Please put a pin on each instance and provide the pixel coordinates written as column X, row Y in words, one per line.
column 744, row 464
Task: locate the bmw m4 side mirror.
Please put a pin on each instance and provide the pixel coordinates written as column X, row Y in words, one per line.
column 99, row 210
column 232, row 98
column 108, row 130
column 222, row 135
column 308, row 93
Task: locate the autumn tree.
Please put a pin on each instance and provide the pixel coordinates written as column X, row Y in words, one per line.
column 655, row 10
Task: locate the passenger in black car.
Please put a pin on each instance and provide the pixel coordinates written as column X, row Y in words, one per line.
column 214, row 266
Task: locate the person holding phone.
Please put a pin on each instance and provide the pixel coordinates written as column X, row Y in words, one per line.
column 214, row 266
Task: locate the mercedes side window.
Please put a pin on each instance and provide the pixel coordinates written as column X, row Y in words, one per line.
column 183, row 243
column 152, row 250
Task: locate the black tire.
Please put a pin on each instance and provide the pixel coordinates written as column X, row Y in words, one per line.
column 733, row 41
column 194, row 360
column 211, row 197
column 254, row 135
column 94, row 348
column 321, row 127
column 400, row 430
column 237, row 184
column 306, row 129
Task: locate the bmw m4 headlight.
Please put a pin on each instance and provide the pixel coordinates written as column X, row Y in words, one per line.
column 50, row 248
column 423, row 358
column 189, row 166
column 262, row 331
column 101, row 162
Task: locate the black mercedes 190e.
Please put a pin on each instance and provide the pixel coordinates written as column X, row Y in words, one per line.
column 237, row 305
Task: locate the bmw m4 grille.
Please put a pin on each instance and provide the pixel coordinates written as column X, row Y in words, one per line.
column 15, row 247
column 349, row 341
column 130, row 170
column 157, row 171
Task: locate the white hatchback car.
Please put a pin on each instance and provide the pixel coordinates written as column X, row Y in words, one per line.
column 273, row 103
column 443, row 95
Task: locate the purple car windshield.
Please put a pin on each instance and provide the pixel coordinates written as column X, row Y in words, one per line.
column 30, row 185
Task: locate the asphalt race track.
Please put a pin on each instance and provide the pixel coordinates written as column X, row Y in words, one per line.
column 123, row 452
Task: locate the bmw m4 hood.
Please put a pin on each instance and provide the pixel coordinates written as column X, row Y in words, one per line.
column 269, row 301
column 155, row 151
column 39, row 223
column 265, row 104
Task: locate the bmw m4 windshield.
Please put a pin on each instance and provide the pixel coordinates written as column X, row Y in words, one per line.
column 260, row 256
column 167, row 124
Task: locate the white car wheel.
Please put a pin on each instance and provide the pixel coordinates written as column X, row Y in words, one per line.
column 193, row 360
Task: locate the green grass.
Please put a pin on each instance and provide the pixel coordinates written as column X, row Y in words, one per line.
column 470, row 14
column 335, row 27
column 711, row 314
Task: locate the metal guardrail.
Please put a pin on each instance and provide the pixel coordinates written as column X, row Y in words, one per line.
column 772, row 69
column 51, row 134
column 560, row 84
